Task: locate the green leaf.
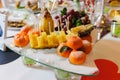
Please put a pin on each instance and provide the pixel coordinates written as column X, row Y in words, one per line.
column 82, row 13
column 78, row 22
column 64, row 11
column 64, row 48
column 73, row 20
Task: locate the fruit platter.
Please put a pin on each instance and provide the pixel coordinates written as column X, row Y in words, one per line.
column 66, row 45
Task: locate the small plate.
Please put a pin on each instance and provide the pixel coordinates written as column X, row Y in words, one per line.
column 14, row 28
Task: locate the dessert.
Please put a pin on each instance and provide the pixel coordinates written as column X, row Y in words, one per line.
column 16, row 23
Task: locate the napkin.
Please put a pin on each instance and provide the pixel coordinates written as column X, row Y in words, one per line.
column 108, row 70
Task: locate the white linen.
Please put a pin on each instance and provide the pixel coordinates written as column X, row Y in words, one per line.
column 17, row 71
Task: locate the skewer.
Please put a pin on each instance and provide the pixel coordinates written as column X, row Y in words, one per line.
column 61, row 23
column 49, row 27
column 40, row 27
column 58, row 26
column 68, row 24
column 54, row 1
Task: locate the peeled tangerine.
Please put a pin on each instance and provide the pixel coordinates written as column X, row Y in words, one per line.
column 87, row 46
column 63, row 50
column 21, row 40
column 74, row 42
column 77, row 57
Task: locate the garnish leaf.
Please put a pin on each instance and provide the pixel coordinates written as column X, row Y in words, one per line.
column 82, row 13
column 64, row 11
column 78, row 22
column 73, row 20
column 64, row 48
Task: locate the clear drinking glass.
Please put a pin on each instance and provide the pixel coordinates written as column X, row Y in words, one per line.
column 94, row 9
column 115, row 29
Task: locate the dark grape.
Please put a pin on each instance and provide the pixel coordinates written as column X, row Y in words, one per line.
column 76, row 13
column 64, row 17
column 88, row 21
column 70, row 17
column 71, row 12
column 56, row 17
column 86, row 16
column 75, row 18
column 60, row 1
column 56, row 28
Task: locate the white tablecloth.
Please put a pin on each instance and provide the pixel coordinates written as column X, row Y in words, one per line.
column 108, row 48
column 16, row 70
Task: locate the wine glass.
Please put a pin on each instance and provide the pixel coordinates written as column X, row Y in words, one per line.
column 94, row 8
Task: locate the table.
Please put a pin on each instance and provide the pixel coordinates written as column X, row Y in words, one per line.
column 16, row 70
column 108, row 48
column 7, row 56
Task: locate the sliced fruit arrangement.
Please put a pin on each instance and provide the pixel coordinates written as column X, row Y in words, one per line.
column 75, row 49
column 38, row 39
column 53, row 39
column 75, row 18
column 47, row 37
column 47, row 41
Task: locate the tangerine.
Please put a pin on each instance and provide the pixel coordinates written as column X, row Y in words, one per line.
column 74, row 42
column 88, row 37
column 63, row 50
column 77, row 57
column 21, row 40
column 87, row 46
column 26, row 29
column 33, row 31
